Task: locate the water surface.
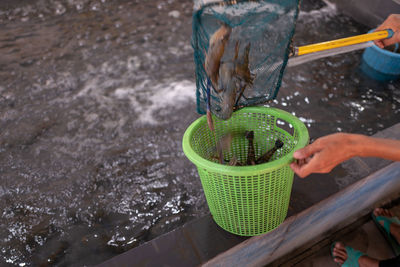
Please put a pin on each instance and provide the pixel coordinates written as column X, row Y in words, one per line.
column 94, row 99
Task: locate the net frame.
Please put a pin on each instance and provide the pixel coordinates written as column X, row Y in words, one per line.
column 271, row 73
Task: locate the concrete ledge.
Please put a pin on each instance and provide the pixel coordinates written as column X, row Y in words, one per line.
column 334, row 213
column 368, row 12
column 190, row 245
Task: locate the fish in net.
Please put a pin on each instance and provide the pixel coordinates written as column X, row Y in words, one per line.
column 241, row 49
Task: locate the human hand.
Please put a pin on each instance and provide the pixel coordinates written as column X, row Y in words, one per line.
column 392, row 22
column 324, row 154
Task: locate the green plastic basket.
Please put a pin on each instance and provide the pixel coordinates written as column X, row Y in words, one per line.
column 247, row 200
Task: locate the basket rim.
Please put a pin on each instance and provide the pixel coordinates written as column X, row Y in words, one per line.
column 246, row 170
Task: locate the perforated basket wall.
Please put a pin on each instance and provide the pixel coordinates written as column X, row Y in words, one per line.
column 247, row 200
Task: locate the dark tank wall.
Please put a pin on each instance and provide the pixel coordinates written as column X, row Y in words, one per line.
column 368, row 12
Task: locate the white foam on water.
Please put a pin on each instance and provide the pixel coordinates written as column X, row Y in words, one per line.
column 103, row 87
column 249, row 6
column 163, row 96
column 327, row 11
column 174, row 13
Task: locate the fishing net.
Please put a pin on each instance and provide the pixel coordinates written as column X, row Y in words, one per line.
column 241, row 49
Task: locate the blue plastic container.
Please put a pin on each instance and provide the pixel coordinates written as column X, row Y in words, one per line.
column 381, row 64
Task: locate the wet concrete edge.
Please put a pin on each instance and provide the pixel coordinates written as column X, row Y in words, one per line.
column 368, row 12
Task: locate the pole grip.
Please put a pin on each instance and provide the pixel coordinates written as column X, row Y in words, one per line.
column 307, row 49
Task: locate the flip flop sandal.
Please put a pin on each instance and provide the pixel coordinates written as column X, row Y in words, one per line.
column 385, row 229
column 352, row 256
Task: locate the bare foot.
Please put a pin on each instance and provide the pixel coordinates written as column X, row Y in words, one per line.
column 394, row 227
column 339, row 253
column 383, row 212
column 340, row 256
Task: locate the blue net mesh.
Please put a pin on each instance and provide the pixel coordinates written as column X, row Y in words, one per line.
column 240, row 49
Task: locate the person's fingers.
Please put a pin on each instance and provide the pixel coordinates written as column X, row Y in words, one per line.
column 377, row 211
column 383, row 212
column 387, row 42
column 316, row 164
column 295, row 167
column 321, row 156
column 339, row 256
column 340, row 245
column 387, row 213
column 309, row 167
column 298, row 164
column 305, row 169
column 379, row 43
column 339, row 260
column 307, row 151
column 301, row 162
column 390, row 213
column 392, row 22
column 339, row 253
column 299, row 170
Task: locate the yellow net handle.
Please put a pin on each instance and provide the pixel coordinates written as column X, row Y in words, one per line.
column 307, row 49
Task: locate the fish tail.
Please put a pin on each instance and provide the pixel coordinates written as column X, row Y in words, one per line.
column 210, row 121
column 209, row 116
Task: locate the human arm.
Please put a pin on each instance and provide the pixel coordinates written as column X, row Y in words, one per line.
column 392, row 22
column 329, row 151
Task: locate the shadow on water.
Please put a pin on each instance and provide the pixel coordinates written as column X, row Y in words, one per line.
column 94, row 99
